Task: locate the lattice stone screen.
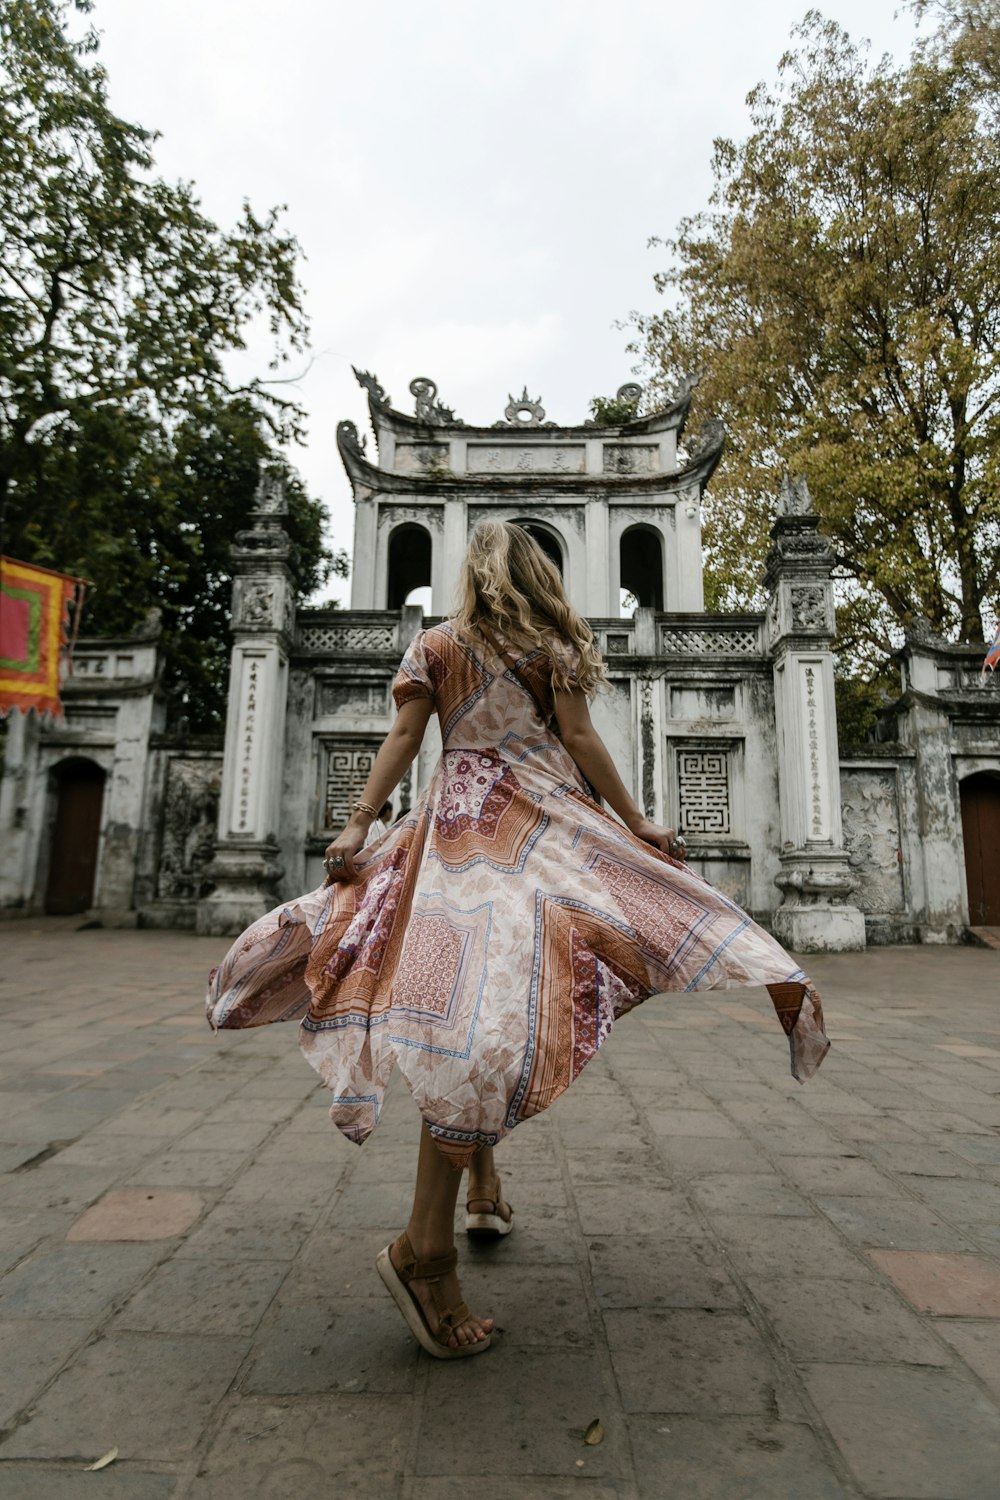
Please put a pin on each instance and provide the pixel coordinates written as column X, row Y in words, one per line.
column 728, row 642
column 347, row 638
column 703, row 791
column 348, row 763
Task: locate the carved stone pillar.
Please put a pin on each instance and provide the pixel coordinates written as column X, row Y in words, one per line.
column 245, row 868
column 815, row 915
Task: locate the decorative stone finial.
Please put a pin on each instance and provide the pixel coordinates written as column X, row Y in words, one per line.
column 376, row 392
column 684, row 387
column 428, row 408
column 269, row 498
column 629, row 394
column 794, row 498
column 523, row 412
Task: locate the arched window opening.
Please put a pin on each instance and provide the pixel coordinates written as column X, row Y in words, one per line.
column 545, row 539
column 979, row 795
column 79, row 786
column 641, row 576
column 409, row 563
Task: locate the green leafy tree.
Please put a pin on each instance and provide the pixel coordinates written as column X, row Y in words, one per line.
column 127, row 454
column 842, row 299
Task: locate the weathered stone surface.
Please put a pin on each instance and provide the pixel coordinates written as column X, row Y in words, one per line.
column 74, row 1281
column 753, row 1459
column 691, row 1361
column 194, row 1296
column 150, row 1397
column 921, row 1433
column 816, row 1318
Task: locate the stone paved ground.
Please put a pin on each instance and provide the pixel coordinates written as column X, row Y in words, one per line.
column 765, row 1292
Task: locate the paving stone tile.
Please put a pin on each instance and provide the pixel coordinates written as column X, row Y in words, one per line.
column 190, row 1169
column 964, row 1286
column 516, row 1411
column 957, row 1199
column 817, row 1318
column 926, row 1434
column 242, row 1136
column 163, row 1123
column 977, row 1345
column 892, row 1224
column 124, row 1482
column 618, row 1166
column 690, row 1361
column 650, row 1271
column 692, row 1156
column 921, row 1160
column 356, row 1446
column 332, row 1344
column 843, row 1175
column 277, row 1182
column 697, row 1122
column 546, row 1308
column 138, row 1214
column 341, row 1263
column 230, row 1232
column 56, row 1185
column 74, row 1281
column 739, row 1458
column 447, row 1487
column 149, row 1396
column 30, row 1354
column 207, row 1297
column 367, row 1205
column 881, row 1127
column 21, row 1231
column 746, row 1193
column 605, row 1209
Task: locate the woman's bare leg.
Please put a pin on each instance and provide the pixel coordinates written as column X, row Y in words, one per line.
column 431, row 1231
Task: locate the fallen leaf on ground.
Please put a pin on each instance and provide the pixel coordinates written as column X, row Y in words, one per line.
column 594, row 1433
column 102, row 1463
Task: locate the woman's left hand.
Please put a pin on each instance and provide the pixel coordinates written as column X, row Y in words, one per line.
column 666, row 839
column 338, row 858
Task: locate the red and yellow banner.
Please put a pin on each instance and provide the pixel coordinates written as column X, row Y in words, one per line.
column 33, row 609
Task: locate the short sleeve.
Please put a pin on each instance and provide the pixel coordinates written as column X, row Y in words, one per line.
column 413, row 680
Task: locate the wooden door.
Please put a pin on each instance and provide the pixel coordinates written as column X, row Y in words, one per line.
column 980, row 796
column 73, row 856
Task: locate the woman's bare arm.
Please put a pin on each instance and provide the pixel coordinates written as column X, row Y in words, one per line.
column 395, row 755
column 592, row 756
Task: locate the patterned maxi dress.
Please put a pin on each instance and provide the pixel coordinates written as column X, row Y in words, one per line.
column 496, row 931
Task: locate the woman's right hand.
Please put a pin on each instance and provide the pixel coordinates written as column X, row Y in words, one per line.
column 668, row 840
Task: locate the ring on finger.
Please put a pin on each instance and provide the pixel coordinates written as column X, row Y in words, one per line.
column 335, row 862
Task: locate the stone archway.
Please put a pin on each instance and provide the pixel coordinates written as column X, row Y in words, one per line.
column 76, row 834
column 980, row 800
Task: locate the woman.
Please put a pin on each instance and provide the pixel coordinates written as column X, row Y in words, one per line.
column 489, row 940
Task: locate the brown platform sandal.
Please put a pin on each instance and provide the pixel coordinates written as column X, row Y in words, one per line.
column 431, row 1271
column 488, row 1226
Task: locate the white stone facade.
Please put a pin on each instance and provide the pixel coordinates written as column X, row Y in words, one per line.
column 723, row 725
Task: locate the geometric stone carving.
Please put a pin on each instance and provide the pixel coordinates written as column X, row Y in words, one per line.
column 348, row 765
column 703, row 791
column 710, row 641
column 870, row 810
column 347, row 638
column 254, row 603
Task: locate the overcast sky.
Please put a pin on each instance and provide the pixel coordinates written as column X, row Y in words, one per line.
column 473, row 184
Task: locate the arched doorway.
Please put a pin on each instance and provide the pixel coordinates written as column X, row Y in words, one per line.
column 545, row 539
column 980, row 799
column 409, row 563
column 641, row 560
column 75, row 837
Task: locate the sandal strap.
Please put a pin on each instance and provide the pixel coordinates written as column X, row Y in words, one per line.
column 412, row 1269
column 495, row 1197
column 450, row 1320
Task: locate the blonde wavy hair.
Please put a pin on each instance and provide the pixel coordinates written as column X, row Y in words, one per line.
column 508, row 584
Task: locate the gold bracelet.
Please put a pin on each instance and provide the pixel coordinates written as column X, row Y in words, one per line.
column 365, row 807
